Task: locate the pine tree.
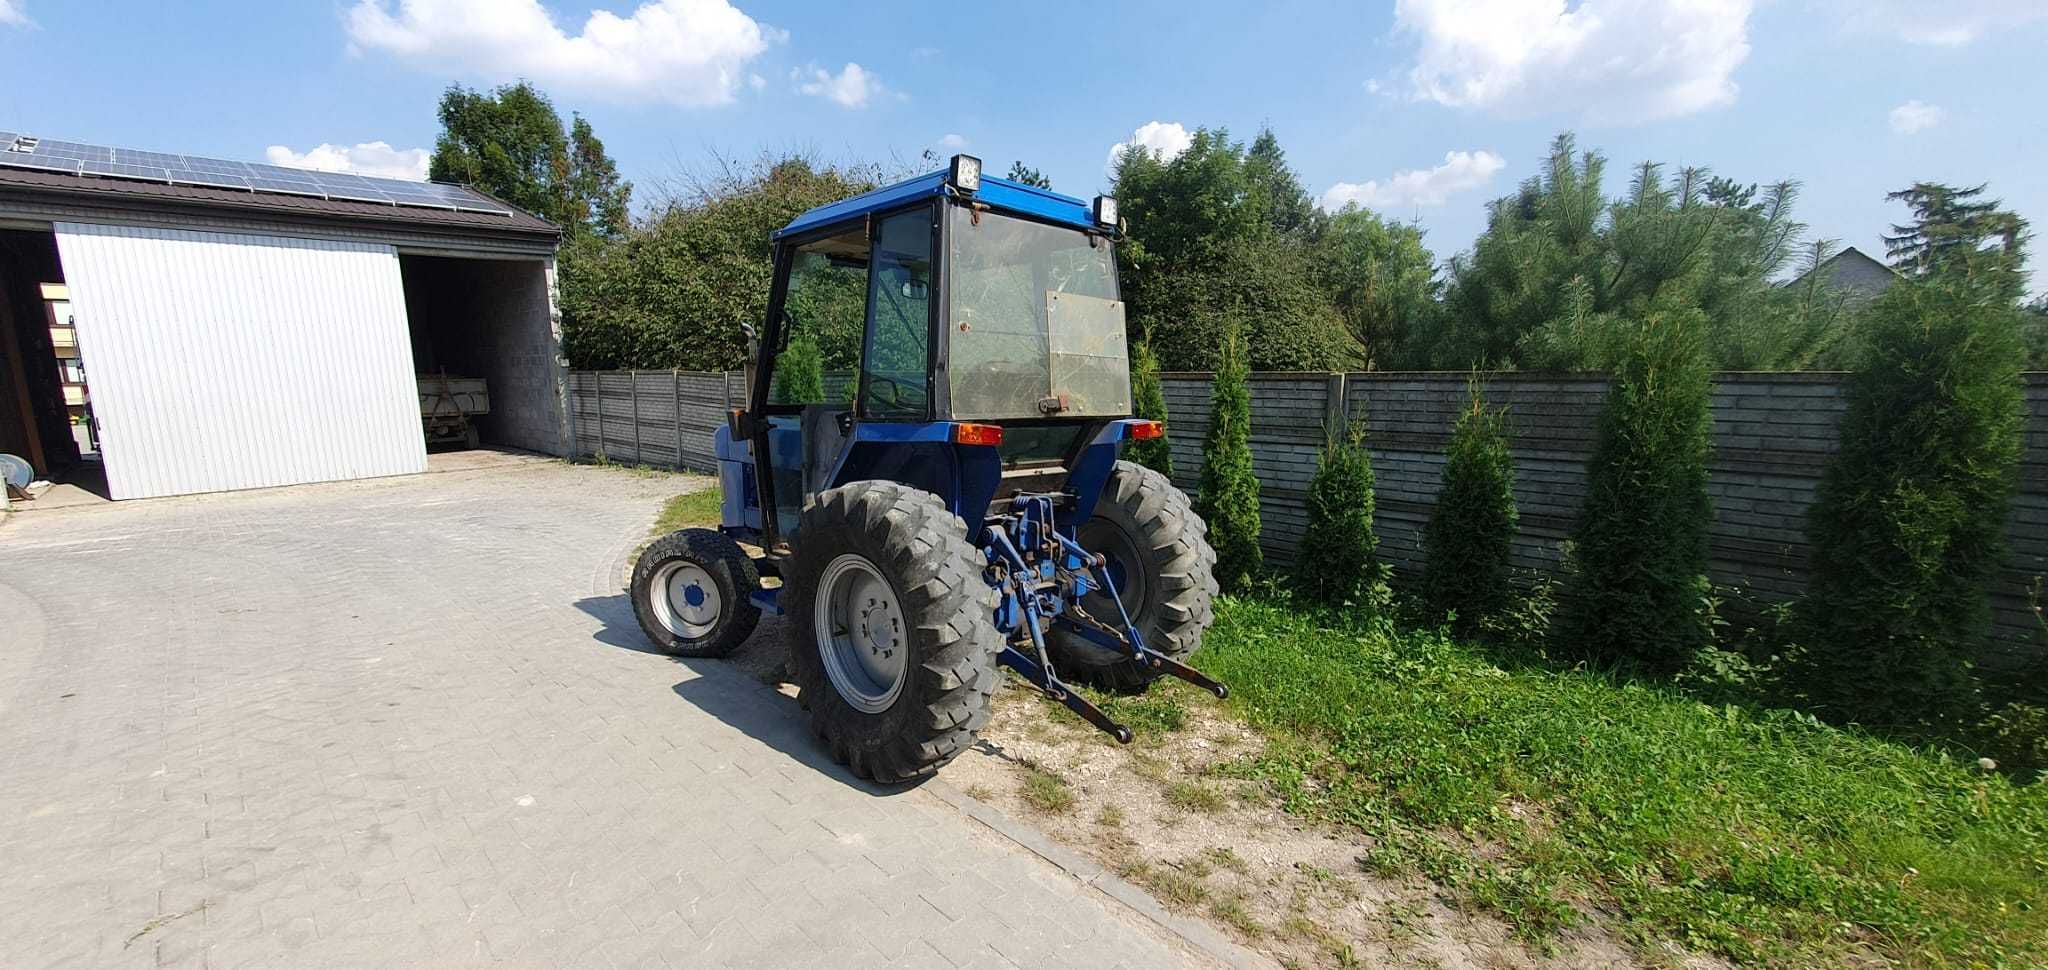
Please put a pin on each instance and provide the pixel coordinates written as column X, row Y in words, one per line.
column 1907, row 529
column 1337, row 565
column 1638, row 592
column 1956, row 232
column 1228, row 496
column 1470, row 537
column 1020, row 172
column 1148, row 400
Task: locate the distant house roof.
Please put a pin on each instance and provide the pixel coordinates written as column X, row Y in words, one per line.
column 1853, row 274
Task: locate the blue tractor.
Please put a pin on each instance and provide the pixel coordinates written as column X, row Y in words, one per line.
column 963, row 506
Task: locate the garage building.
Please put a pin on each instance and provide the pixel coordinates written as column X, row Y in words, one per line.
column 235, row 325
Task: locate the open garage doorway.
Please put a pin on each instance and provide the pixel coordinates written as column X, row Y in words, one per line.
column 485, row 348
column 46, row 418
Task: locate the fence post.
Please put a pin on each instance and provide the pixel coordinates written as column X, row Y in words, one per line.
column 1335, row 414
column 597, row 386
column 633, row 390
column 675, row 402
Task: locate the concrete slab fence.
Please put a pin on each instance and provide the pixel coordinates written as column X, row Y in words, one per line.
column 1773, row 436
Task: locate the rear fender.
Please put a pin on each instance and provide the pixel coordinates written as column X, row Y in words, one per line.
column 923, row 455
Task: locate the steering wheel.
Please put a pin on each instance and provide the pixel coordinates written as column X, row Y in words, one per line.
column 897, row 389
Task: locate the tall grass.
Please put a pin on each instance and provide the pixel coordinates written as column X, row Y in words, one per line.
column 1546, row 795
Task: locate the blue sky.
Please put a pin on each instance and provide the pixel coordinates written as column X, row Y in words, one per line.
column 1851, row 98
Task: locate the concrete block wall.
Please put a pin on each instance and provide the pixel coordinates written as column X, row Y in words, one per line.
column 1773, row 436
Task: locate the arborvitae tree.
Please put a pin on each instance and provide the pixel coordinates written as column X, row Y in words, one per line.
column 799, row 372
column 1638, row 592
column 1906, row 531
column 1228, row 496
column 1148, row 400
column 1471, row 531
column 1337, row 564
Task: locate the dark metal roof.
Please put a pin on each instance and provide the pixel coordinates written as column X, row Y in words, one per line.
column 106, row 190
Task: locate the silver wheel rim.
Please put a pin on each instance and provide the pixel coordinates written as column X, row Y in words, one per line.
column 685, row 600
column 861, row 634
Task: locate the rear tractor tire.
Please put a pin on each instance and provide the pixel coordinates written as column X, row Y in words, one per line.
column 692, row 593
column 1160, row 558
column 892, row 638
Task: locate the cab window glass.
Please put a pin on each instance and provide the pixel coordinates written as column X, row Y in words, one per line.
column 821, row 323
column 897, row 358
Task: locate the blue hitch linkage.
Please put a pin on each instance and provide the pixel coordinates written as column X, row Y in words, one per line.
column 1042, row 577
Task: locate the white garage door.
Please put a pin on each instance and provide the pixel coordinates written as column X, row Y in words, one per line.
column 220, row 361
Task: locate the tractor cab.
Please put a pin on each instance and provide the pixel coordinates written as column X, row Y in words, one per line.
column 952, row 308
column 950, row 499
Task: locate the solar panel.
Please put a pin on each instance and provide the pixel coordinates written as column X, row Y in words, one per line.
column 72, row 149
column 142, row 173
column 159, row 159
column 284, row 187
column 78, row 158
column 217, row 166
column 212, row 180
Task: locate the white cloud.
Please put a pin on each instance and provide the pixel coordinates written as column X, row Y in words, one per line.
column 1164, row 139
column 686, row 52
column 1953, row 23
column 376, row 158
column 11, row 14
column 1915, row 116
column 1460, row 172
column 1608, row 61
column 953, row 141
column 850, row 88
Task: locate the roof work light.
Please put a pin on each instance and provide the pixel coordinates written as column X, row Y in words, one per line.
column 966, row 173
column 1105, row 211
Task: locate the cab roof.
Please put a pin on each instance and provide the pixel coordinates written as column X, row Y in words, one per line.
column 1000, row 194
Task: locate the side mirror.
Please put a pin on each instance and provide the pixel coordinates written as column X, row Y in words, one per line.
column 916, row 289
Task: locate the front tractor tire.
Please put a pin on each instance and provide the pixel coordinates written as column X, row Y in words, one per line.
column 892, row 638
column 1160, row 557
column 692, row 593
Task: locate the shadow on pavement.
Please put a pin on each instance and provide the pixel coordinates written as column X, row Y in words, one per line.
column 722, row 689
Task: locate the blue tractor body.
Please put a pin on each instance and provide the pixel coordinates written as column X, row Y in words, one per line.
column 993, row 380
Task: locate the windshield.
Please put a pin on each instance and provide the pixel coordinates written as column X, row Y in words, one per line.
column 1036, row 327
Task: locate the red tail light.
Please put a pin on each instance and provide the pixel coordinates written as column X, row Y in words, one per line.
column 978, row 434
column 1146, row 430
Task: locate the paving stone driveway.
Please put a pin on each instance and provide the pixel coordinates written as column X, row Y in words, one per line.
column 407, row 723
